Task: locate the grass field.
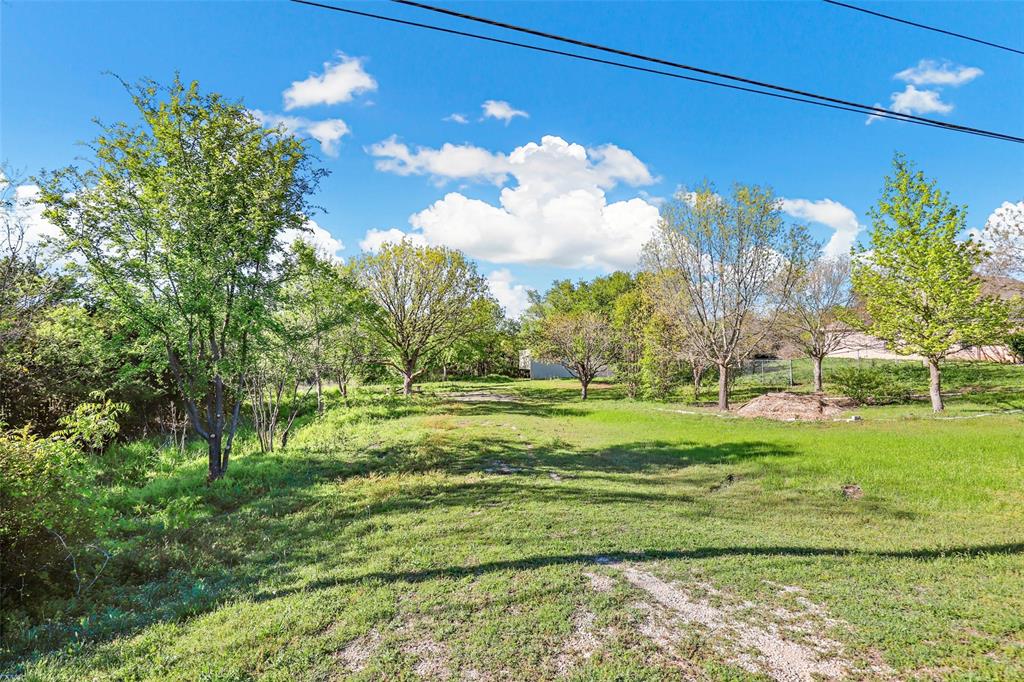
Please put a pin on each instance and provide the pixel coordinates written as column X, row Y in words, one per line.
column 507, row 531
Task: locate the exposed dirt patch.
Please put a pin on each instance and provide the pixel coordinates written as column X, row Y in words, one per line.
column 356, row 654
column 499, row 467
column 432, row 658
column 795, row 407
column 482, row 397
column 581, row 644
column 600, row 582
column 853, row 492
column 792, row 650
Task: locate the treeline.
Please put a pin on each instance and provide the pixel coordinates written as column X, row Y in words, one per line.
column 726, row 277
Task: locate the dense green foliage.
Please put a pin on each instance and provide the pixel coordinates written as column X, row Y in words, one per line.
column 869, row 384
column 180, row 220
column 1016, row 343
column 47, row 515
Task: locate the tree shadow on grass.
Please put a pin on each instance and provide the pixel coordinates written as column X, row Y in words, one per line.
column 584, row 559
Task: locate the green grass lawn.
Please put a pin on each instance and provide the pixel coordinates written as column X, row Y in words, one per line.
column 539, row 537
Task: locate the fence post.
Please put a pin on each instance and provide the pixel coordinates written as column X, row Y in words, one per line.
column 791, row 374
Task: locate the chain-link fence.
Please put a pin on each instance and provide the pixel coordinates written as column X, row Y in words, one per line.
column 764, row 373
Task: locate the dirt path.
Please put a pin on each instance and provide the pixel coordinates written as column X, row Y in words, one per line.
column 790, row 651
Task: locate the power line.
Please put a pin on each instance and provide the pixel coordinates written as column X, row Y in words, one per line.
column 924, row 26
column 686, row 67
column 855, row 108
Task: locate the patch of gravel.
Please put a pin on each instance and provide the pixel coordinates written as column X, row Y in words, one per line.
column 795, row 407
column 356, row 654
column 770, row 650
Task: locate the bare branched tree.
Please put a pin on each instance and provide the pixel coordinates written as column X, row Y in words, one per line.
column 582, row 342
column 733, row 261
column 24, row 288
column 813, row 321
column 1003, row 237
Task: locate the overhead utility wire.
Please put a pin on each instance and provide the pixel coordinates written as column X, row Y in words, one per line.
column 881, row 113
column 687, row 67
column 924, row 26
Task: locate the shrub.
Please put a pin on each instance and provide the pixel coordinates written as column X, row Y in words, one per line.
column 871, row 384
column 1015, row 342
column 46, row 515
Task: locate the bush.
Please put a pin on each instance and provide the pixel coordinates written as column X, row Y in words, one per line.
column 1016, row 344
column 871, row 384
column 46, row 515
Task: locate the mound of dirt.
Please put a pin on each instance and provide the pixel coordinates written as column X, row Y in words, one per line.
column 795, row 407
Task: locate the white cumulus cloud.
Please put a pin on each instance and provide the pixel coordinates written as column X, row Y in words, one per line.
column 456, row 118
column 501, row 110
column 932, row 75
column 450, row 162
column 831, row 214
column 327, row 132
column 25, row 211
column 374, row 239
column 914, row 101
column 320, row 239
column 556, row 213
column 944, row 73
column 514, row 298
column 910, row 100
column 340, row 81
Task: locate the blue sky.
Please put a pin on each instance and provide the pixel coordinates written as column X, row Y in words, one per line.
column 570, row 189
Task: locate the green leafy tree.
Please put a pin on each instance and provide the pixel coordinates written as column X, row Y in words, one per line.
column 180, row 221
column 319, row 298
column 571, row 325
column 630, row 315
column 487, row 348
column 662, row 361
column 424, row 300
column 917, row 279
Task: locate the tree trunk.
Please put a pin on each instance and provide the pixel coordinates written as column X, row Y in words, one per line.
column 698, row 379
column 215, row 470
column 817, row 375
column 935, row 385
column 407, row 384
column 319, row 393
column 444, row 372
column 583, row 388
column 723, row 387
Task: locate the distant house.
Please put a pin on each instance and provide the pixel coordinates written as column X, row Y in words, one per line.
column 867, row 347
column 548, row 370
